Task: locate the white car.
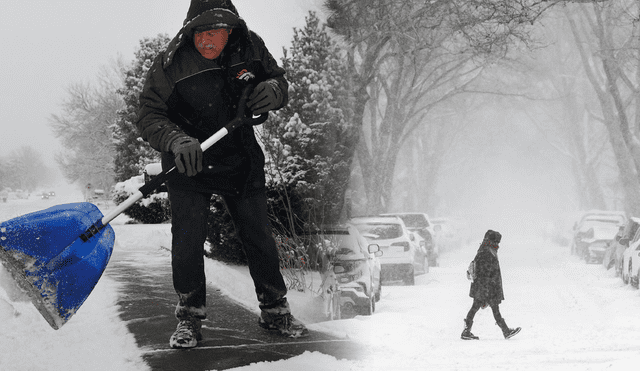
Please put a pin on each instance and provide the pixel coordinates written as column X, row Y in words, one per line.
column 420, row 224
column 447, row 235
column 400, row 254
column 631, row 261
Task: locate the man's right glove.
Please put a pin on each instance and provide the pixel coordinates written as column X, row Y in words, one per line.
column 265, row 97
column 188, row 155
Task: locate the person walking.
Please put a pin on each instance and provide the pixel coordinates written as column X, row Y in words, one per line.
column 191, row 91
column 486, row 286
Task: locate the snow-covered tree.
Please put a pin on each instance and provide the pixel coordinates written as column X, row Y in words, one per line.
column 310, row 143
column 132, row 153
column 407, row 57
column 85, row 129
column 24, row 169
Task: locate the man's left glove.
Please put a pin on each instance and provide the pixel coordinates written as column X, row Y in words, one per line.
column 265, row 97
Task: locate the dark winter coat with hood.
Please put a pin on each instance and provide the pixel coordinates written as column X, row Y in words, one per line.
column 185, row 93
column 487, row 286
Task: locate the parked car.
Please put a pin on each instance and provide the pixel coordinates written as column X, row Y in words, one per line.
column 400, row 250
column 613, row 256
column 631, row 260
column 356, row 266
column 596, row 241
column 578, row 246
column 422, row 225
column 448, row 237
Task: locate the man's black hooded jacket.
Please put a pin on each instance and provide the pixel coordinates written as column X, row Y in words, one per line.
column 185, row 93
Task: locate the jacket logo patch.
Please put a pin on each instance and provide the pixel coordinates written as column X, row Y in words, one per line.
column 245, row 75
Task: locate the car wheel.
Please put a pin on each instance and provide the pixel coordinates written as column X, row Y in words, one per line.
column 410, row 279
column 334, row 307
column 368, row 309
column 633, row 280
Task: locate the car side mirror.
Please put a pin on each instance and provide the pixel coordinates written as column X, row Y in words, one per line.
column 374, row 248
column 624, row 241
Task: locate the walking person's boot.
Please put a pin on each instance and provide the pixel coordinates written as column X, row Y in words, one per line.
column 466, row 334
column 506, row 331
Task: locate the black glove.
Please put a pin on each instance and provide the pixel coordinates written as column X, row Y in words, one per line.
column 188, row 155
column 264, row 98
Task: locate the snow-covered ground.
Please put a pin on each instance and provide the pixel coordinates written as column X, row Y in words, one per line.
column 574, row 316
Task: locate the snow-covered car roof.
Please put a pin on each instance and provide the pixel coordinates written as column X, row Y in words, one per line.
column 376, row 219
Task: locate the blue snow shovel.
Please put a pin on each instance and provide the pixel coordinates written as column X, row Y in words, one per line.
column 57, row 255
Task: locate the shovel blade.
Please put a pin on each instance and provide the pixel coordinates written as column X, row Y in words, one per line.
column 49, row 261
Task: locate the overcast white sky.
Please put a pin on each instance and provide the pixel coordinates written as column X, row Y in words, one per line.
column 50, row 44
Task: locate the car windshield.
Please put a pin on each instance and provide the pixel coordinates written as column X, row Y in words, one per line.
column 380, row 231
column 415, row 221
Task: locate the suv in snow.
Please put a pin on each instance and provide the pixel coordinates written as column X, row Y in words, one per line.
column 355, row 264
column 421, row 224
column 400, row 258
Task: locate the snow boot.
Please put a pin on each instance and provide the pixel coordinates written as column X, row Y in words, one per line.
column 187, row 334
column 285, row 324
column 466, row 334
column 506, row 331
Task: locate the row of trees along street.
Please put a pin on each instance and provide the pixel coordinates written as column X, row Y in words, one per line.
column 391, row 100
column 24, row 169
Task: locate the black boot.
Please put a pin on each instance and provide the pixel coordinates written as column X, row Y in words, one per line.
column 466, row 334
column 506, row 331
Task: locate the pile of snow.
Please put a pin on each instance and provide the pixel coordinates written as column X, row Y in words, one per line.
column 94, row 337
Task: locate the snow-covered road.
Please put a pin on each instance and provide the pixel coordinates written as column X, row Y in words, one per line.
column 573, row 316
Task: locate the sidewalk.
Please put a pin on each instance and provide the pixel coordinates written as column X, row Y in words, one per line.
column 232, row 338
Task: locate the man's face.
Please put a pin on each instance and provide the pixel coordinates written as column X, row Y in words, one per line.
column 210, row 43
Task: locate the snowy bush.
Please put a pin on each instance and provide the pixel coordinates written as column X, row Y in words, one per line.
column 153, row 209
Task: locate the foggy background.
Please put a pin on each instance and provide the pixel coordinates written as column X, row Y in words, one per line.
column 510, row 164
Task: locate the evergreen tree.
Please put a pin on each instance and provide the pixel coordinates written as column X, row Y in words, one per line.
column 132, row 153
column 310, row 142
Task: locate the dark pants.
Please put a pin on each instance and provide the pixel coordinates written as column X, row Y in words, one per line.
column 189, row 212
column 477, row 305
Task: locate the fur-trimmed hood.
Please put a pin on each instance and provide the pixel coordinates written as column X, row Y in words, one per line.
column 218, row 13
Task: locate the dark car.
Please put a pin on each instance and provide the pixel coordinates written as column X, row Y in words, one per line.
column 354, row 264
